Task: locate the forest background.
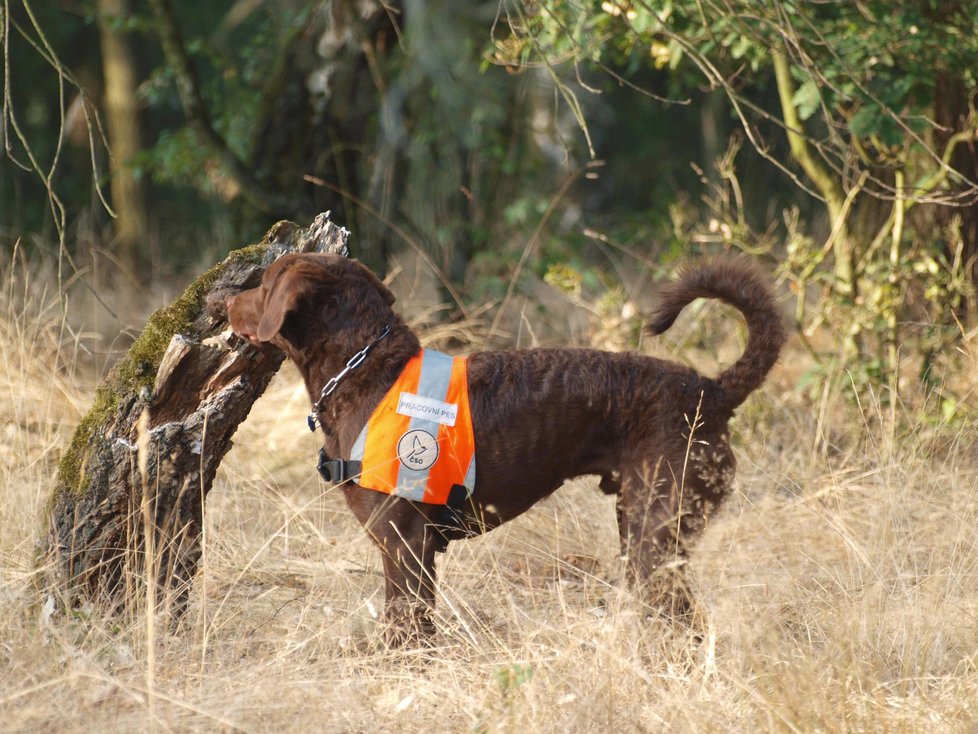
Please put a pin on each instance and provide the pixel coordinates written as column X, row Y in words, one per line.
column 835, row 140
column 536, row 167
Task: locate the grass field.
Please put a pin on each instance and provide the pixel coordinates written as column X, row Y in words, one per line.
column 840, row 581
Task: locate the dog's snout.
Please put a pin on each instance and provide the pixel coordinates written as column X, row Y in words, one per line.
column 219, row 303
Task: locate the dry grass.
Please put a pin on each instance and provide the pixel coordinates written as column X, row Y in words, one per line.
column 840, row 582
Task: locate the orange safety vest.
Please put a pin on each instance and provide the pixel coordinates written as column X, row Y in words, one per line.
column 418, row 443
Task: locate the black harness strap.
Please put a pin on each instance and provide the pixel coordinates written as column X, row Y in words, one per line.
column 451, row 518
column 449, row 527
column 337, row 471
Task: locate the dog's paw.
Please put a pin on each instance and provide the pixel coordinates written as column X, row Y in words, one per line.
column 217, row 303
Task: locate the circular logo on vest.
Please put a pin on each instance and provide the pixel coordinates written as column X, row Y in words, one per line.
column 417, row 450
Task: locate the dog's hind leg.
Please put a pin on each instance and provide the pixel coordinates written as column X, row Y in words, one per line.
column 653, row 535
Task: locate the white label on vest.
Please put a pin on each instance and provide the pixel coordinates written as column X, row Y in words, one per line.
column 418, row 406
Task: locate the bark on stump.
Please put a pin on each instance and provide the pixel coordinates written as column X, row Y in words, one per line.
column 145, row 455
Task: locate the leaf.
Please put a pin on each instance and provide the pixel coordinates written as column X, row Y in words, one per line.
column 866, row 121
column 661, row 54
column 675, row 53
column 742, row 47
column 807, row 99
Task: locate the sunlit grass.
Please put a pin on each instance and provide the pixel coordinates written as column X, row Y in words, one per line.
column 839, row 581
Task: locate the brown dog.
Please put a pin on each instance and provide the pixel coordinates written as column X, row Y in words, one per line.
column 654, row 431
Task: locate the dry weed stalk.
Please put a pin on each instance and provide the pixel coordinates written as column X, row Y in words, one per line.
column 839, row 583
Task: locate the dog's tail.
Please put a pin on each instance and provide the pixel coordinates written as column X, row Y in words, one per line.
column 737, row 282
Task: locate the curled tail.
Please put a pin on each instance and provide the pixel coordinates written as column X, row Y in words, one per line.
column 734, row 281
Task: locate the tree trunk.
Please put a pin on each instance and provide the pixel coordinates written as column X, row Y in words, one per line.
column 824, row 179
column 122, row 118
column 142, row 461
column 317, row 120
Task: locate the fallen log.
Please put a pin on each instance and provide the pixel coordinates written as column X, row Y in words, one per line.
column 128, row 502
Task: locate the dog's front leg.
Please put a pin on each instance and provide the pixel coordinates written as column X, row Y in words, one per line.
column 403, row 532
column 409, row 579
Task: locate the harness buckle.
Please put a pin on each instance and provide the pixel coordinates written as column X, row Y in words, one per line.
column 336, row 471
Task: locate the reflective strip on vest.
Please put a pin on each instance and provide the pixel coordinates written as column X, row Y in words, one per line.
column 418, row 443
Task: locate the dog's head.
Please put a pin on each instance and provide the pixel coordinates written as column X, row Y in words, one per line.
column 305, row 298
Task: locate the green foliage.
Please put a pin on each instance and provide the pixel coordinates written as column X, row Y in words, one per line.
column 510, row 677
column 176, row 158
column 858, row 108
column 415, row 142
column 871, row 64
column 232, row 73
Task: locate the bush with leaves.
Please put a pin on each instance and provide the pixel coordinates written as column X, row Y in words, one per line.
column 874, row 102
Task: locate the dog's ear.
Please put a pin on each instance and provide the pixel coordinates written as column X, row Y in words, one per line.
column 283, row 295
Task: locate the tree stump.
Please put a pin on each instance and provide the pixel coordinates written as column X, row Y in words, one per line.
column 128, row 503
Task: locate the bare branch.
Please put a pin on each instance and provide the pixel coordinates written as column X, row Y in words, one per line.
column 192, row 102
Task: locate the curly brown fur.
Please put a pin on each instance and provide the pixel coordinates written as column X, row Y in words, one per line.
column 655, row 432
column 738, row 283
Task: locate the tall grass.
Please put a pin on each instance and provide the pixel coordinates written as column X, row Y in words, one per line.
column 839, row 579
